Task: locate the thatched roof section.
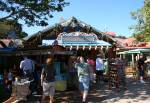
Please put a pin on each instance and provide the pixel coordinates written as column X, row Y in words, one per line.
column 70, row 25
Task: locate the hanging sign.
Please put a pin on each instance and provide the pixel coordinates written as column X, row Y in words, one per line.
column 78, row 37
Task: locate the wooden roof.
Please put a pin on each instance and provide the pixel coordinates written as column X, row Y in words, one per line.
column 70, row 25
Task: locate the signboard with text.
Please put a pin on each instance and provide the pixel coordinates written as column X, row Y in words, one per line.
column 78, row 37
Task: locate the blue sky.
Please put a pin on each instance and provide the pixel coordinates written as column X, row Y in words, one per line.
column 105, row 15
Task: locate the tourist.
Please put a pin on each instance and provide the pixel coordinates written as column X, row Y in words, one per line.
column 148, row 65
column 48, row 80
column 141, row 68
column 83, row 71
column 27, row 67
column 91, row 63
column 121, row 72
column 72, row 82
column 106, row 69
column 99, row 68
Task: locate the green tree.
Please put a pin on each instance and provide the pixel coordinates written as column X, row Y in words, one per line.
column 32, row 12
column 9, row 27
column 142, row 28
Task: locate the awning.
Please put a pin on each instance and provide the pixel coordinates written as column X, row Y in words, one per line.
column 78, row 40
column 96, row 44
column 135, row 51
column 138, row 51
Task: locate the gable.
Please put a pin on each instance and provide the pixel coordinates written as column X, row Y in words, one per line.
column 69, row 26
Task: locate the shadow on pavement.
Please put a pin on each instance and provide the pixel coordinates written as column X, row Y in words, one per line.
column 100, row 93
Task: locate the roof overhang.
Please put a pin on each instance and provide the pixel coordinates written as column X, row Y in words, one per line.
column 70, row 23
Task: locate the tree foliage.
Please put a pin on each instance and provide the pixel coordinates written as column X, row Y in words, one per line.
column 32, row 12
column 11, row 29
column 142, row 28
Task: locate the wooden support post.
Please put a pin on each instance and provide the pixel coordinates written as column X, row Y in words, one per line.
column 133, row 60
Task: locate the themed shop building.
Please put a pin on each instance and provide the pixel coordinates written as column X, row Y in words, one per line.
column 65, row 41
column 71, row 38
column 73, row 35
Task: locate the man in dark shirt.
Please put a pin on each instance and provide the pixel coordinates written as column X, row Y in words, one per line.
column 141, row 68
column 48, row 80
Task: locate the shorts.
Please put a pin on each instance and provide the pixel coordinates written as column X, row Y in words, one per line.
column 48, row 89
column 84, row 83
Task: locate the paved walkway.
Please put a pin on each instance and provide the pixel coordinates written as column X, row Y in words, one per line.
column 136, row 93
